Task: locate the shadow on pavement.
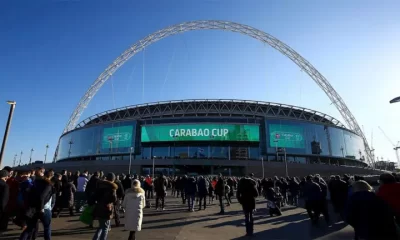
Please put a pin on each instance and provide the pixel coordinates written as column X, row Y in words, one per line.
column 299, row 227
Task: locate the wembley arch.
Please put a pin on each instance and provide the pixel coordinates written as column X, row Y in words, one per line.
column 257, row 34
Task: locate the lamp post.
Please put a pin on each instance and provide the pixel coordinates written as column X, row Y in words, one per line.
column 70, row 146
column 276, row 148
column 153, row 166
column 262, row 165
column 20, row 158
column 30, row 157
column 286, row 169
column 130, row 160
column 15, row 159
column 10, row 115
column 45, row 155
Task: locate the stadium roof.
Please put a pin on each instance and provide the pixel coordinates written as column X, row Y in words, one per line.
column 209, row 108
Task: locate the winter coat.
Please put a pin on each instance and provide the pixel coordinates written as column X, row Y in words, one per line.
column 220, row 187
column 4, row 194
column 40, row 193
column 133, row 203
column 67, row 195
column 160, row 186
column 104, row 198
column 202, row 185
column 127, row 183
column 390, row 193
column 312, row 192
column 191, row 186
column 91, row 186
column 371, row 217
column 13, row 185
column 247, row 193
column 120, row 190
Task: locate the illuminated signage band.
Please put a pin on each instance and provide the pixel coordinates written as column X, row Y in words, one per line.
column 200, row 132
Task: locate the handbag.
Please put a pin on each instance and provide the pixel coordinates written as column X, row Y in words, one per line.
column 87, row 215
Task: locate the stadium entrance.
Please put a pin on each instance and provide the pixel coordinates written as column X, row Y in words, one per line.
column 194, row 170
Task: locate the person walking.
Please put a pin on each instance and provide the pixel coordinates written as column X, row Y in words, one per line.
column 67, row 196
column 41, row 201
column 80, row 195
column 369, row 215
column 104, row 199
column 190, row 191
column 246, row 194
column 4, row 195
column 160, row 187
column 117, row 206
column 312, row 197
column 389, row 191
column 202, row 186
column 133, row 203
column 220, row 192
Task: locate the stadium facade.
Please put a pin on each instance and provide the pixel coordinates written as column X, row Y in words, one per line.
column 231, row 137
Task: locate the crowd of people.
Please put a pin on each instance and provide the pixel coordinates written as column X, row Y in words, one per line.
column 28, row 197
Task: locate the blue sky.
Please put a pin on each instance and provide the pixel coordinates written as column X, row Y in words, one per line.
column 52, row 51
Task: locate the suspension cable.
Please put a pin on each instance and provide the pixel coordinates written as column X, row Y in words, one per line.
column 144, row 50
column 112, row 90
column 168, row 70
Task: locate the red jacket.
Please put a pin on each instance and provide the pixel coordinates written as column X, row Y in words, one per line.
column 390, row 193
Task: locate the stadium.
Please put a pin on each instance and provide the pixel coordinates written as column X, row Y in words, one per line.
column 210, row 137
column 233, row 137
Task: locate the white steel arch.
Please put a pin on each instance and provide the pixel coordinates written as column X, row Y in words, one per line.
column 321, row 81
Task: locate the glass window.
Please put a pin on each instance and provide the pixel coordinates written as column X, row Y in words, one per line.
column 300, row 160
column 180, row 152
column 290, row 159
column 337, row 142
column 198, row 152
column 102, row 139
column 297, row 137
column 239, row 153
column 219, row 152
column 146, row 153
column 255, row 153
column 160, row 152
column 354, row 146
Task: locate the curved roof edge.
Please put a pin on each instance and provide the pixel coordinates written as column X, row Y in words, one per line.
column 225, row 106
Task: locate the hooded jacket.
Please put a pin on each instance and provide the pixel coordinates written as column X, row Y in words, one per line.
column 133, row 203
column 104, row 198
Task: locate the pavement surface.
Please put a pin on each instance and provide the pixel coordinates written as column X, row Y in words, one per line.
column 176, row 223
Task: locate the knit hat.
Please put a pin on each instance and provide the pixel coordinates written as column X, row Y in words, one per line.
column 110, row 177
column 4, row 173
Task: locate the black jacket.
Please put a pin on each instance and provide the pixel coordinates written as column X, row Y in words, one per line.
column 127, row 183
column 191, row 186
column 104, row 198
column 202, row 185
column 40, row 193
column 4, row 195
column 220, row 187
column 120, row 190
column 91, row 185
column 160, row 185
column 371, row 217
column 247, row 193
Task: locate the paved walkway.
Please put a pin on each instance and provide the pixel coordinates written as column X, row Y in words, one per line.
column 175, row 223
